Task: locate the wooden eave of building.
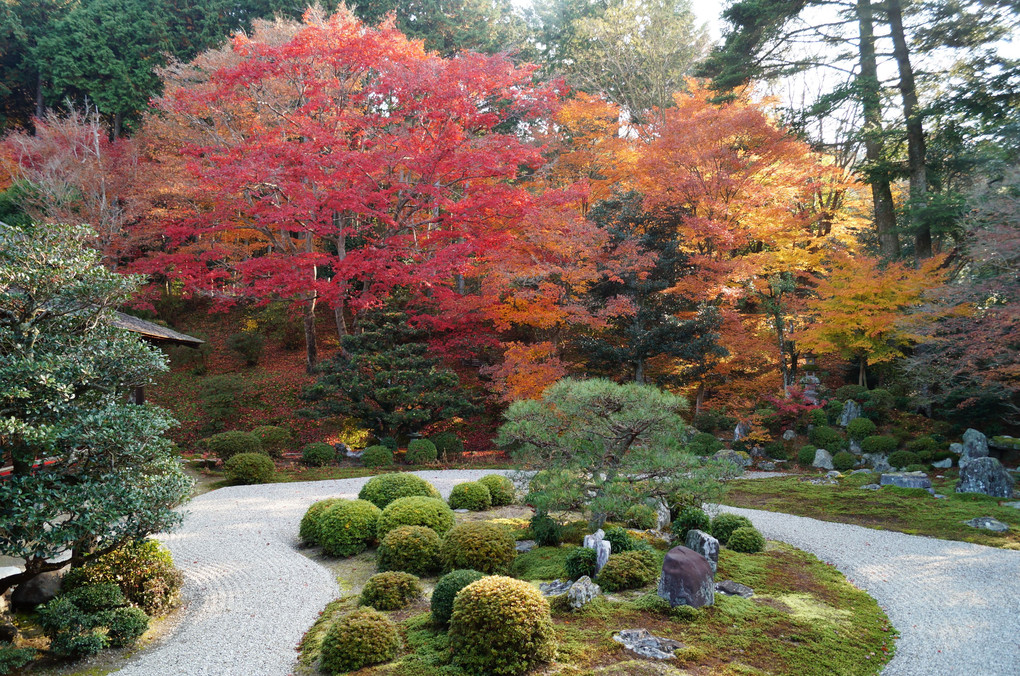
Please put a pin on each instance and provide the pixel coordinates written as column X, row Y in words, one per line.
column 154, row 333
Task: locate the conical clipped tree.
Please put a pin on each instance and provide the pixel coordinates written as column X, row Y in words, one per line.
column 385, row 377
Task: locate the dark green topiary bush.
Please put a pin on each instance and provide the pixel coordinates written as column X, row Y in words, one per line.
column 859, row 428
column 446, row 590
column 826, row 437
column 703, row 444
column 818, row 417
column 377, row 456
column 580, row 562
column 318, row 454
column 416, row 511
column 746, row 539
column 385, row 488
column 347, row 527
column 925, row 447
column 274, row 439
column 420, row 452
column 448, row 445
column 247, row 345
column 479, row 545
column 470, row 495
column 690, row 518
column 411, row 549
column 880, row 404
column 724, row 525
column 858, row 393
column 500, row 488
column 546, row 530
column 250, row 468
column 12, row 658
column 96, row 597
column 641, row 517
column 777, row 451
column 123, row 625
column 713, row 420
column 806, row 455
column 360, row 639
column 628, row 570
column 226, row 445
column 308, row 531
column 620, row 540
column 878, row 443
column 392, row 590
column 903, row 459
column 844, row 461
column 500, row 626
column 143, row 570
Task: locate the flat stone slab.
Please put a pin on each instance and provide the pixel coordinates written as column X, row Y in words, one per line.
column 555, row 588
column 1014, row 505
column 645, row 644
column 525, row 546
column 906, row 480
column 732, row 588
column 870, row 487
column 988, row 523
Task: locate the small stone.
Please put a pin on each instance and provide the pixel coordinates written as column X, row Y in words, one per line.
column 939, row 496
column 687, row 579
column 861, row 471
column 870, row 487
column 988, row 523
column 945, row 463
column 706, row 545
column 789, row 435
column 525, row 546
column 823, row 459
column 461, row 511
column 855, row 447
column 834, row 474
column 906, row 480
column 985, row 475
column 879, row 462
column 554, row 588
column 767, row 466
column 732, row 588
column 645, row 644
column 582, row 592
column 757, row 451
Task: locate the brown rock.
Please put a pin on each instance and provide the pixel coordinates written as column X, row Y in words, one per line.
column 687, row 579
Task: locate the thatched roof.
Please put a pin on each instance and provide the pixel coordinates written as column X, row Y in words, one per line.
column 153, row 332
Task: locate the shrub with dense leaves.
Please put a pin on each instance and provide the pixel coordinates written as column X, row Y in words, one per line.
column 250, row 468
column 712, row 420
column 479, row 545
column 879, row 404
column 724, row 525
column 641, row 517
column 581, row 561
column 628, row 570
column 385, row 488
column 12, row 658
column 274, row 439
column 826, row 437
column 247, row 345
column 860, row 428
column 690, row 518
column 746, row 539
column 704, row 444
column 448, row 445
column 226, row 445
column 471, row 495
column 926, row 447
column 806, row 455
column 95, row 597
column 416, row 511
column 318, row 454
column 620, row 540
column 308, row 531
column 777, row 450
column 446, row 591
column 123, row 625
column 143, row 570
column 858, row 393
column 348, row 526
column 818, row 417
column 359, row 639
column 420, row 452
column 843, row 461
column 377, row 456
column 903, row 459
column 878, row 443
column 391, row 590
column 411, row 549
column 500, row 488
column 501, row 626
column 546, row 530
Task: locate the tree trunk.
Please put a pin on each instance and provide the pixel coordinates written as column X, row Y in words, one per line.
column 874, row 146
column 916, row 151
column 639, row 371
column 862, row 376
column 311, row 349
column 118, row 125
column 40, row 109
column 341, row 323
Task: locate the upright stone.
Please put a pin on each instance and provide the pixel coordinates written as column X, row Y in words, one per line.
column 663, row 517
column 706, row 545
column 985, row 475
column 600, row 544
column 582, row 592
column 851, row 411
column 975, row 445
column 687, row 579
column 40, row 589
column 823, row 459
column 742, row 429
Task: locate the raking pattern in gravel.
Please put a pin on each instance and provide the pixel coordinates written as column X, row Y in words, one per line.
column 251, row 595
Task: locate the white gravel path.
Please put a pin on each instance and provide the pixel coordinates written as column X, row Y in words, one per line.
column 251, row 595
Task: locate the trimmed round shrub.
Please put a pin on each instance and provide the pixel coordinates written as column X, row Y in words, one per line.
column 879, row 443
column 926, row 447
column 500, row 488
column 641, row 517
column 628, row 570
column 318, row 454
column 806, row 455
column 690, row 518
column 479, row 545
column 348, row 526
column 902, row 459
column 123, row 625
column 250, row 468
column 392, row 590
column 826, row 437
column 470, row 495
column 226, row 445
column 919, row 467
column 385, row 488
column 96, row 597
column 377, row 456
column 818, row 417
column 274, row 439
column 777, row 450
column 703, row 444
column 859, row 428
column 858, row 393
column 446, row 590
column 448, row 445
column 546, row 530
column 416, row 511
column 360, row 639
column 420, row 452
column 308, row 531
column 844, row 461
column 411, row 549
column 724, row 525
column 144, row 571
column 746, row 539
column 501, row 626
column 880, row 404
column 619, row 540
column 581, row 561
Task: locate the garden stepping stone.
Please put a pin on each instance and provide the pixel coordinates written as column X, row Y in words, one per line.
column 687, row 579
column 706, row 545
column 554, row 588
column 525, row 546
column 582, row 592
column 731, row 588
column 988, row 523
column 645, row 644
column 907, row 480
column 985, row 475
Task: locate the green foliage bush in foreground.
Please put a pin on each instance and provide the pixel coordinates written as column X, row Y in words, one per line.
column 628, row 570
column 420, row 452
column 903, row 459
column 690, row 518
column 143, row 570
column 391, row 590
column 274, row 439
column 416, row 511
column 471, row 495
column 359, row 639
column 318, row 454
column 641, row 517
column 90, row 618
column 724, row 525
column 500, row 626
column 411, row 549
column 878, row 443
column 14, row 658
column 501, row 489
column 446, row 591
column 581, row 561
column 844, row 460
column 806, row 455
column 479, row 545
column 746, row 539
column 308, row 531
column 385, row 488
column 377, row 456
column 347, row 527
column 250, row 468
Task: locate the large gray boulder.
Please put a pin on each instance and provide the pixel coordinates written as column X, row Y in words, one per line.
column 975, row 445
column 879, row 461
column 706, row 545
column 851, row 411
column 738, row 459
column 40, row 589
column 687, row 579
column 582, row 592
column 985, row 475
column 823, row 459
column 742, row 429
column 600, row 544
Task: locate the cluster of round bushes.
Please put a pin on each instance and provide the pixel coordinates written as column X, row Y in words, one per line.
column 226, row 445
column 144, row 571
column 826, row 437
column 384, row 489
column 446, row 591
column 501, row 489
column 737, row 533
